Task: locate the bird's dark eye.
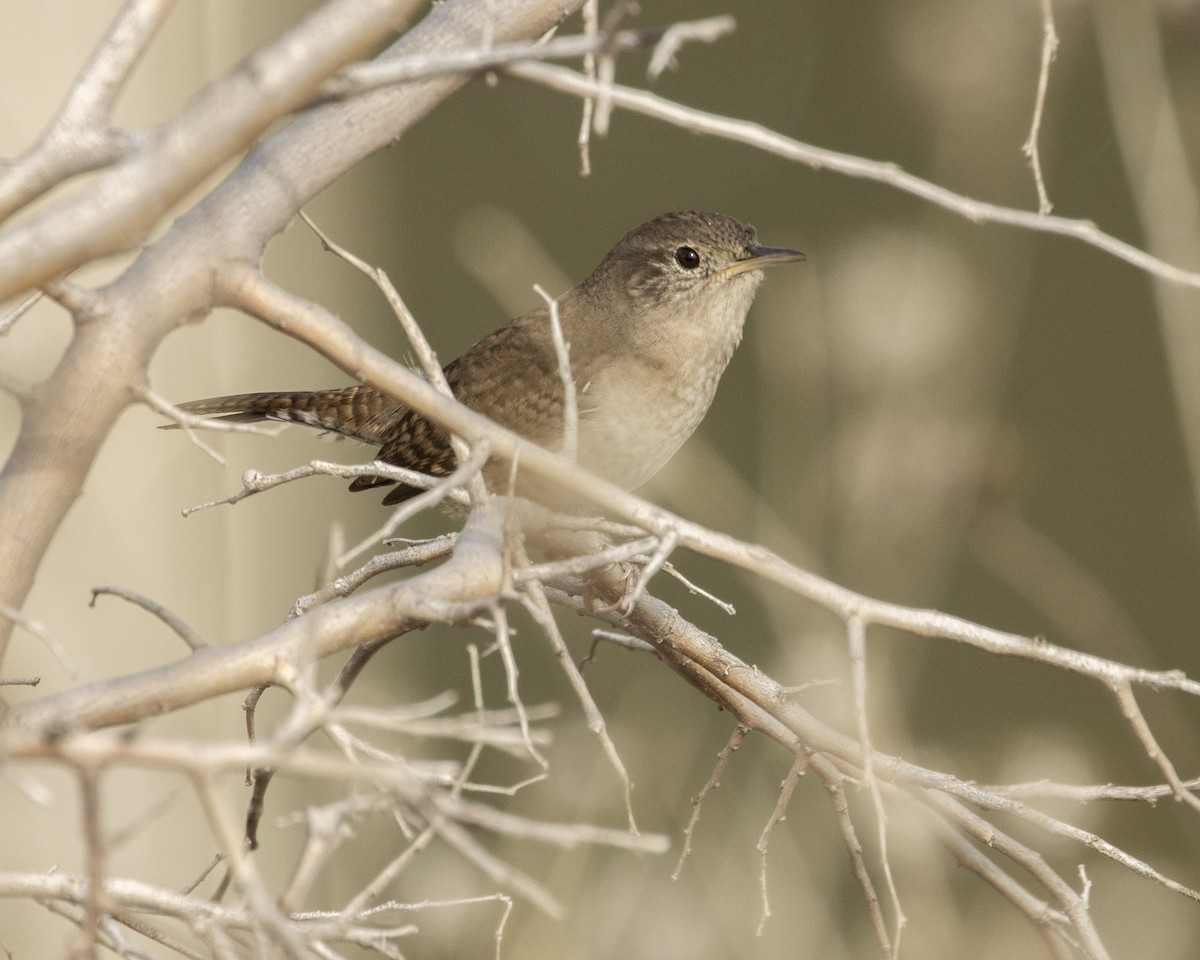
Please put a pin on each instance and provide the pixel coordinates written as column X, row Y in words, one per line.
column 687, row 258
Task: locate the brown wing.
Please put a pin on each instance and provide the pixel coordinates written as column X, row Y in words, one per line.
column 416, row 443
column 510, row 376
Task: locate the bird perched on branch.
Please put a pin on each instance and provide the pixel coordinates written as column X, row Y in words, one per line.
column 649, row 333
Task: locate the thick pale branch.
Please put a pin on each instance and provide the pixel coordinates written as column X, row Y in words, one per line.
column 123, row 204
column 79, row 138
column 64, row 427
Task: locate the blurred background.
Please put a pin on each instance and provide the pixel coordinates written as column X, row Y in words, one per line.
column 997, row 423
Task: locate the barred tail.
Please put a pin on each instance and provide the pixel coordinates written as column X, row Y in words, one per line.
column 359, row 411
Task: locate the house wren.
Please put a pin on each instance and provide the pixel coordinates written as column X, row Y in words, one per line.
column 650, row 332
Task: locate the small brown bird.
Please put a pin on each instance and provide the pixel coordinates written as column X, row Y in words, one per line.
column 650, row 332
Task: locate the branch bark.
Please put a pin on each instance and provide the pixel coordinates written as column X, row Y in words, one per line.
column 119, row 327
column 474, row 573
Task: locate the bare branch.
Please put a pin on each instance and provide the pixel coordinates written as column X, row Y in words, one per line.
column 835, row 784
column 714, row 781
column 126, row 201
column 1133, row 714
column 429, row 360
column 592, row 560
column 414, row 555
column 667, row 41
column 1052, row 925
column 786, row 789
column 79, row 138
column 562, row 349
column 39, row 630
column 185, row 633
column 468, row 579
column 676, row 35
column 539, row 609
column 17, row 311
column 1030, row 149
column 857, row 635
column 254, row 482
column 755, row 135
column 696, row 590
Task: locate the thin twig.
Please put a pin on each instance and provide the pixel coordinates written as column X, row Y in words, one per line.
column 857, row 635
column 714, row 781
column 414, row 555
column 696, row 590
column 1030, row 148
column 539, row 607
column 18, row 311
column 511, row 673
column 445, row 488
column 786, row 789
column 184, row 632
column 666, row 546
column 1133, row 714
column 606, row 61
column 590, row 11
column 1053, row 925
column 835, row 784
column 254, row 482
column 95, row 905
column 562, row 350
column 429, row 360
column 190, row 422
column 635, row 644
column 1048, row 790
column 39, row 630
column 576, row 566
column 361, row 77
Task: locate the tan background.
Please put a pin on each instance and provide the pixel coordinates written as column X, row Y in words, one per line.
column 973, row 418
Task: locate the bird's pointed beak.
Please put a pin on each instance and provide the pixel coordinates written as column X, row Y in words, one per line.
column 759, row 257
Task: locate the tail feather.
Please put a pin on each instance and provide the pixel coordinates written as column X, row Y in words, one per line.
column 359, row 412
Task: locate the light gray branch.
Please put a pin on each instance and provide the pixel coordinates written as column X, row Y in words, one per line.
column 172, row 279
column 361, row 77
column 119, row 208
column 79, row 138
column 881, row 171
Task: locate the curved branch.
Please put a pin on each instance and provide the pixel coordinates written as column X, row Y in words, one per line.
column 66, row 423
column 473, row 574
column 881, row 171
